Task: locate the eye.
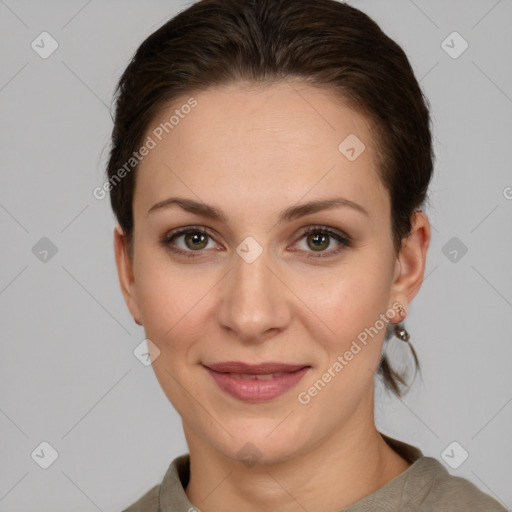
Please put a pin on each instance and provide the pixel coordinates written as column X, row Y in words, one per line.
column 190, row 241
column 319, row 239
column 194, row 240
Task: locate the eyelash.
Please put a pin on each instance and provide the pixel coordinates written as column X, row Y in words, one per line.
column 344, row 240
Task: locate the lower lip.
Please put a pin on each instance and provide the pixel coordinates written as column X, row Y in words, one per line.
column 253, row 390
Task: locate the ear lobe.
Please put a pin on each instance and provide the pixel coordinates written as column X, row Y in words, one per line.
column 411, row 260
column 125, row 273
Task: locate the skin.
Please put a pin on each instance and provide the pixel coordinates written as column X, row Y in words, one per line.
column 252, row 152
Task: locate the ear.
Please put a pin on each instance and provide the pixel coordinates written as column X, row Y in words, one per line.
column 125, row 272
column 411, row 260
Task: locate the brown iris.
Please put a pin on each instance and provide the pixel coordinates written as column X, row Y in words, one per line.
column 196, row 238
column 320, row 241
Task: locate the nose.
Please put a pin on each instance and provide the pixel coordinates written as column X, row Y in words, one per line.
column 255, row 301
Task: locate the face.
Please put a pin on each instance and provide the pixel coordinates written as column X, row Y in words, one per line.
column 240, row 270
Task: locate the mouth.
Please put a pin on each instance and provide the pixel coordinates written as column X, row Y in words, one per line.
column 256, row 383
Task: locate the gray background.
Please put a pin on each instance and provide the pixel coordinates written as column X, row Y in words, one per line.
column 68, row 373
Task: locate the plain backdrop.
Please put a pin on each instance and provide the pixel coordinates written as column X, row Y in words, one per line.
column 68, row 373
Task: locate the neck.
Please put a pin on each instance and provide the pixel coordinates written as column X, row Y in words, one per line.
column 351, row 463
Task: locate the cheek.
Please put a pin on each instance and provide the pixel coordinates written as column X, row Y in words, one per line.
column 351, row 305
column 173, row 301
column 162, row 296
column 172, row 305
column 348, row 299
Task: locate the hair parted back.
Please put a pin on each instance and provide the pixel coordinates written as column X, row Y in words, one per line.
column 325, row 43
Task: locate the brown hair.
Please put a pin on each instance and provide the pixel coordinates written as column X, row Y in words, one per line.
column 324, row 43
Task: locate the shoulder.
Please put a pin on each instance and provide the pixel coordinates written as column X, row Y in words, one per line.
column 147, row 503
column 170, row 493
column 445, row 492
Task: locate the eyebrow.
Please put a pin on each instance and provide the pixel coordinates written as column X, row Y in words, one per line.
column 286, row 215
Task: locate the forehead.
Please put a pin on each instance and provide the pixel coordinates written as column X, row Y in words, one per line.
column 266, row 143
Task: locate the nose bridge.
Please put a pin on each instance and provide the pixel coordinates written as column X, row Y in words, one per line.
column 252, row 300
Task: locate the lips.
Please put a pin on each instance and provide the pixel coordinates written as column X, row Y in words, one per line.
column 255, row 369
column 256, row 382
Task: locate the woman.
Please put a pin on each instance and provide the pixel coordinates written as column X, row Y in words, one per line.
column 269, row 165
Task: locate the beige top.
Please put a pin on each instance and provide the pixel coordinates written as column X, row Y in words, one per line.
column 425, row 486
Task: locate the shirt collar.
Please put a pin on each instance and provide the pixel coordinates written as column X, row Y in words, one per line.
column 172, row 494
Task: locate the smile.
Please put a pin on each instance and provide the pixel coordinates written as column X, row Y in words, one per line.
column 257, row 386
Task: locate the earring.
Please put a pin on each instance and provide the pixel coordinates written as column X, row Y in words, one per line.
column 401, row 333
column 399, row 330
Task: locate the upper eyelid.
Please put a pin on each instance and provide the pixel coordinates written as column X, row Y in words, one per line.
column 189, row 229
column 330, row 231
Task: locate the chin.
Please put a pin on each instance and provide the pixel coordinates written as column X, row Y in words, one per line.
column 254, row 446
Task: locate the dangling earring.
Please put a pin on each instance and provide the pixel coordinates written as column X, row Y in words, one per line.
column 401, row 333
column 399, row 330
